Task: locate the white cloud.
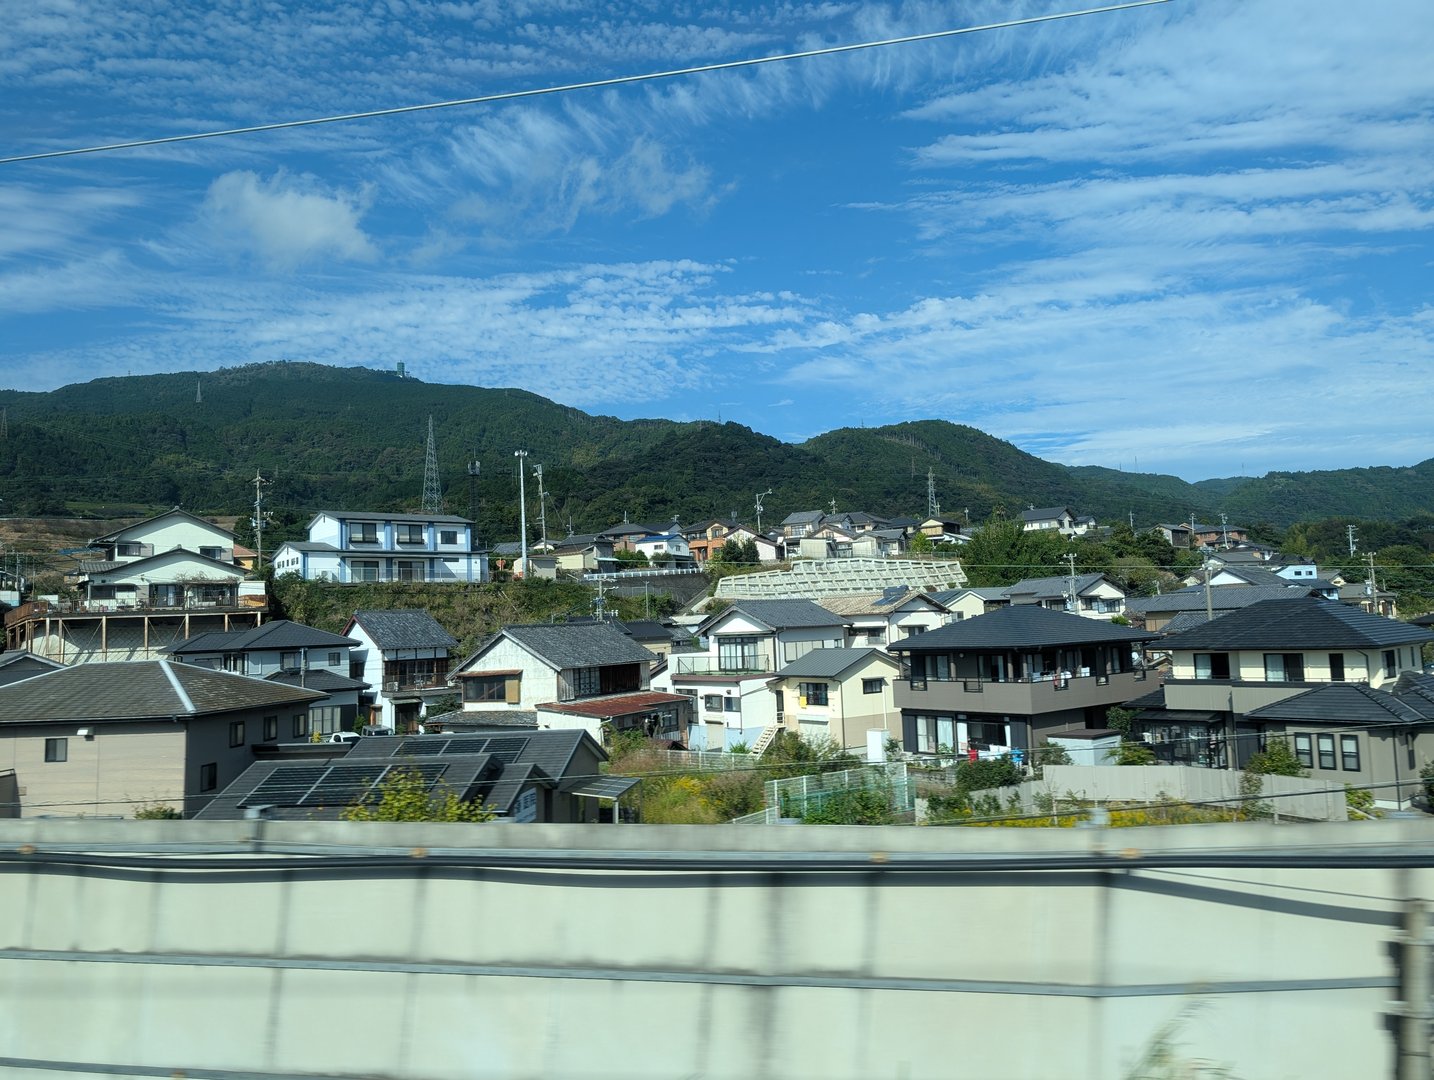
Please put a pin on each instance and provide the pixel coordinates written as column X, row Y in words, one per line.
column 285, row 221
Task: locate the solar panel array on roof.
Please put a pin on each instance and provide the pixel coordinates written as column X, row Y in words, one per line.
column 333, row 785
column 891, row 594
column 505, row 748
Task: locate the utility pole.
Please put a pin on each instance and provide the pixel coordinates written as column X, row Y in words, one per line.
column 258, row 521
column 474, row 467
column 522, row 456
column 432, row 495
column 1350, row 531
column 1224, row 533
column 1372, row 586
column 542, row 507
column 1071, row 583
column 759, row 509
column 1209, row 601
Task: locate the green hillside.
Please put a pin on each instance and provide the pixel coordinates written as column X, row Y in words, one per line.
column 355, row 438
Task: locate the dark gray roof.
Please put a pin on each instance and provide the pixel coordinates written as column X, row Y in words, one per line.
column 1222, row 597
column 493, row 769
column 1018, row 627
column 486, row 719
column 947, row 597
column 1302, row 622
column 15, row 666
column 280, row 634
column 1055, row 586
column 1045, row 513
column 140, row 690
column 404, row 629
column 573, row 645
column 322, row 679
column 829, row 663
column 1188, row 620
column 802, row 516
column 784, row 614
column 366, row 515
column 1353, row 704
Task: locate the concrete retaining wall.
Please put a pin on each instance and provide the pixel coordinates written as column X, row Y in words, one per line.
column 407, row 967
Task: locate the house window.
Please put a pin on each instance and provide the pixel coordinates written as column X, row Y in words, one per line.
column 732, row 704
column 409, row 570
column 236, row 733
column 712, row 702
column 363, row 532
column 738, row 654
column 325, row 719
column 1390, row 664
column 410, row 534
column 794, row 650
column 485, row 688
column 934, row 666
column 814, row 692
column 1336, row 667
column 983, row 736
column 209, row 776
column 1326, row 751
column 290, row 661
column 1304, row 750
column 1284, row 667
column 335, row 659
column 271, row 728
column 1349, row 752
column 364, row 570
column 57, row 749
column 872, row 686
column 935, row 734
column 129, row 549
column 1212, row 665
column 587, row 682
column 215, row 553
column 301, row 725
column 448, row 536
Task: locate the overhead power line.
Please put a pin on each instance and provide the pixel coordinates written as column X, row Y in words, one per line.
column 593, row 84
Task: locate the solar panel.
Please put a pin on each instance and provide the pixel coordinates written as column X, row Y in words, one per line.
column 285, row 786
column 505, row 750
column 343, row 785
column 466, row 745
column 431, row 771
column 891, row 594
column 420, row 747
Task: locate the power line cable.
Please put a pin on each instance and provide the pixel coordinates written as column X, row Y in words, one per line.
column 592, row 84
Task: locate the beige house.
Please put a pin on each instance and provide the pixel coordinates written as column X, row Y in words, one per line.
column 839, row 694
column 108, row 739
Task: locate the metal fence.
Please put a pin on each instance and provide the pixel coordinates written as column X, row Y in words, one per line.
column 795, row 795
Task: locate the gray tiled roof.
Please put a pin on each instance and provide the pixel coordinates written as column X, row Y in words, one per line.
column 1303, row 622
column 279, row 634
column 1019, row 627
column 1046, row 513
column 320, row 679
column 786, row 614
column 366, row 515
column 947, row 597
column 404, row 629
column 1053, row 586
column 1222, row 598
column 829, row 663
column 577, row 645
column 1344, row 703
column 140, row 689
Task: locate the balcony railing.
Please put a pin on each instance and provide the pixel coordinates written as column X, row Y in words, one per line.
column 434, row 681
column 1053, row 682
column 713, row 665
column 42, row 608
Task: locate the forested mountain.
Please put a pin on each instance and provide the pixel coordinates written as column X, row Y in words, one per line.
column 355, row 437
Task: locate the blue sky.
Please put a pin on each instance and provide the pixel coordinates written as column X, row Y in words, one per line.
column 1192, row 238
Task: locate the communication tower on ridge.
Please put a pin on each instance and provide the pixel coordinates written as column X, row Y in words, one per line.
column 432, row 494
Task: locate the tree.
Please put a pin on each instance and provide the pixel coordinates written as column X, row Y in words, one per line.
column 403, row 795
column 1276, row 759
column 920, row 544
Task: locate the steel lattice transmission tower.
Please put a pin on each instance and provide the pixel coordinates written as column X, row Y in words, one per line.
column 432, row 494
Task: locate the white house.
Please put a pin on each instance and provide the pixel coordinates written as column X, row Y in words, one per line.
column 878, row 619
column 731, row 676
column 590, row 676
column 347, row 546
column 404, row 656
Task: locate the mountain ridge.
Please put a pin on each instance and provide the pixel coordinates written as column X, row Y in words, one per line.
column 354, row 437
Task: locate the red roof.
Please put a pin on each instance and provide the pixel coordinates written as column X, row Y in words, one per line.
column 618, row 705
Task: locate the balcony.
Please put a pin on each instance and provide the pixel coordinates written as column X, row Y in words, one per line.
column 410, row 683
column 707, row 664
column 1026, row 697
